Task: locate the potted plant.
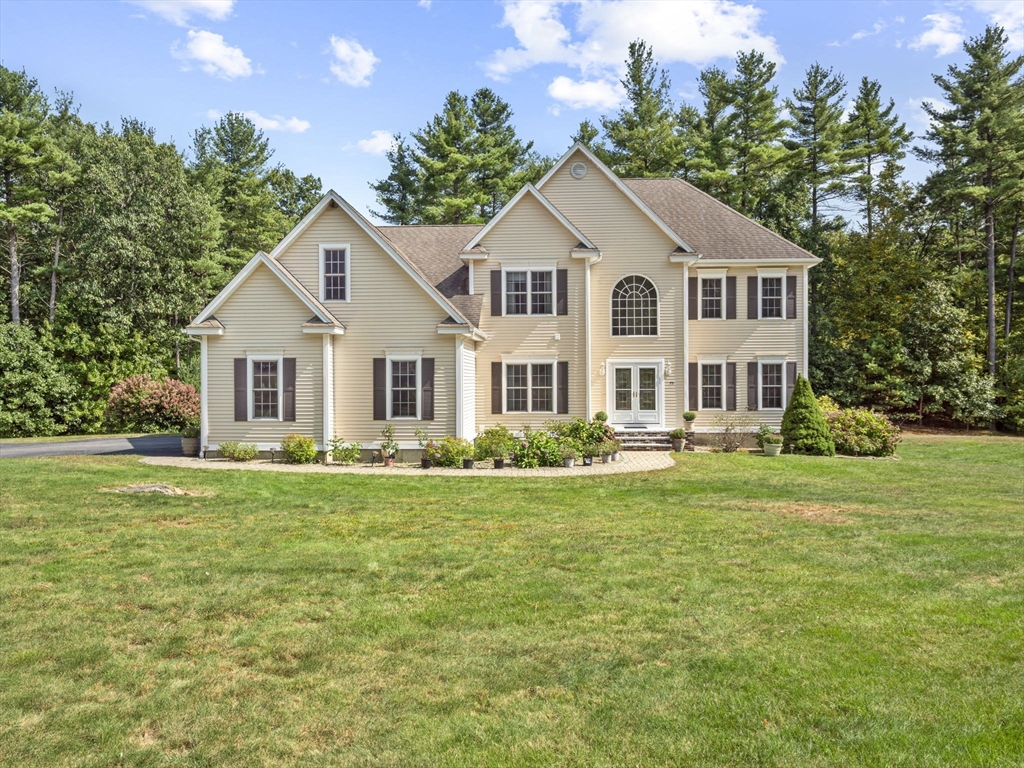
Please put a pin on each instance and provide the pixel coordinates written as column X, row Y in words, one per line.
column 569, row 452
column 608, row 446
column 190, row 440
column 589, row 451
column 688, row 418
column 468, row 462
column 678, row 438
column 601, row 417
column 495, row 443
column 426, row 460
column 617, row 452
column 772, row 445
column 388, row 446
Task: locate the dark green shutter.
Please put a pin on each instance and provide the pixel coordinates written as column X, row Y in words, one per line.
column 563, row 386
column 730, row 298
column 427, row 406
column 693, row 307
column 562, row 282
column 791, row 297
column 288, row 406
column 752, row 297
column 496, row 387
column 380, row 392
column 730, row 386
column 694, row 387
column 496, row 292
column 241, row 389
column 752, row 386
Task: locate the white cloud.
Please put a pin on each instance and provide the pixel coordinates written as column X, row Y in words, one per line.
column 352, row 63
column 425, row 4
column 695, row 33
column 1007, row 14
column 861, row 34
column 916, row 114
column 586, row 94
column 214, row 56
column 180, row 12
column 277, row 123
column 945, row 34
column 213, row 114
column 378, row 143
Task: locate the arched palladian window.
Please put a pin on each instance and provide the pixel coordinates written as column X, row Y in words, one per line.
column 634, row 307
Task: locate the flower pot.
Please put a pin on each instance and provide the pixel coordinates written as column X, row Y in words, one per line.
column 426, row 463
column 688, row 426
column 499, row 463
column 588, row 461
column 677, row 444
column 616, row 456
column 189, row 446
column 606, row 458
column 467, row 463
column 772, row 449
column 569, row 463
column 389, row 461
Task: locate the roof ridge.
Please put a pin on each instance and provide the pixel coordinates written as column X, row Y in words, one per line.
column 729, row 208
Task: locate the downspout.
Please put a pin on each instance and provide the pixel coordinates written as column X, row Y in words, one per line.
column 586, row 314
column 460, row 386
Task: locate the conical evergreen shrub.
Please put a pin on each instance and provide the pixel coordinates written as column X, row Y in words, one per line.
column 804, row 428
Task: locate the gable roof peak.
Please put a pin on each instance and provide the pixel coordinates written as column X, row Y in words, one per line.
column 528, row 189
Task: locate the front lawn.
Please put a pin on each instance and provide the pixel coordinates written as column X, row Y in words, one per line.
column 734, row 610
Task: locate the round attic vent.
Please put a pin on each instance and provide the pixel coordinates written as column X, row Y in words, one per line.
column 578, row 170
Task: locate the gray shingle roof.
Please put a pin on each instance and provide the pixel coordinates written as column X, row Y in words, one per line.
column 710, row 227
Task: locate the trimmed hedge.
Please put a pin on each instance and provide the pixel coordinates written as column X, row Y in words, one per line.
column 858, row 431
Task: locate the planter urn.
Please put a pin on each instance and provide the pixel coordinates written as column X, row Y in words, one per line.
column 677, row 444
column 189, row 446
column 772, row 449
column 688, row 426
column 499, row 463
column 389, row 461
column 606, row 458
column 467, row 463
column 569, row 462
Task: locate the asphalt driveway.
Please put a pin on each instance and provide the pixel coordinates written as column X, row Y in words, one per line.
column 149, row 445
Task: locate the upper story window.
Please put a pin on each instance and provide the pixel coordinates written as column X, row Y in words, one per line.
column 334, row 272
column 634, row 307
column 771, row 297
column 529, row 292
column 711, row 297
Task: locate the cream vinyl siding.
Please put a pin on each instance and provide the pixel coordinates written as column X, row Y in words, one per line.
column 528, row 236
column 741, row 341
column 630, row 244
column 264, row 316
column 387, row 313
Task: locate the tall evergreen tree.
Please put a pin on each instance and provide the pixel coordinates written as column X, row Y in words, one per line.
column 874, row 137
column 586, row 134
column 817, row 132
column 398, row 193
column 498, row 151
column 716, row 150
column 295, row 195
column 979, row 143
column 642, row 136
column 26, row 153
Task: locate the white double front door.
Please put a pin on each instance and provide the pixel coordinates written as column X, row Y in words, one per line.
column 635, row 393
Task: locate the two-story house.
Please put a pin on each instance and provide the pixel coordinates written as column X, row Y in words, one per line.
column 643, row 298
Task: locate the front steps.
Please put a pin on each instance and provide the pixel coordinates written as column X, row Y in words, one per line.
column 644, row 439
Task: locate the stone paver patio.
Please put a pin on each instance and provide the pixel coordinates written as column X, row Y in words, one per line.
column 631, row 461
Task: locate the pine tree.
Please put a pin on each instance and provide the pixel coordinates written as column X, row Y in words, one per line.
column 756, row 129
column 875, row 137
column 398, row 193
column 691, row 162
column 716, row 150
column 804, row 428
column 642, row 136
column 499, row 152
column 26, row 152
column 447, row 165
column 586, row 134
column 295, row 196
column 979, row 143
column 817, row 131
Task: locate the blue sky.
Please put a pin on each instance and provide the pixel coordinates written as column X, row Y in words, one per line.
column 330, row 82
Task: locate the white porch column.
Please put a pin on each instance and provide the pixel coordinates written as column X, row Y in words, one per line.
column 204, row 396
column 586, row 319
column 806, row 365
column 685, row 399
column 328, row 389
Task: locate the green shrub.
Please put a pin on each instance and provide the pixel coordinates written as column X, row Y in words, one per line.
column 239, row 451
column 764, row 431
column 299, row 449
column 346, row 453
column 144, row 404
column 677, row 434
column 804, row 428
column 538, row 449
column 36, row 397
column 601, row 416
column 495, row 443
column 770, row 439
column 448, row 451
column 858, row 431
column 689, row 416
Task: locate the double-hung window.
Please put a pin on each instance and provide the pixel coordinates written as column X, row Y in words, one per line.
column 772, row 385
column 404, row 389
column 334, row 272
column 711, row 297
column 711, row 386
column 265, row 389
column 529, row 387
column 529, row 292
column 771, row 297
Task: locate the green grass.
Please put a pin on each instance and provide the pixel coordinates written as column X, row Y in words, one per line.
column 734, row 610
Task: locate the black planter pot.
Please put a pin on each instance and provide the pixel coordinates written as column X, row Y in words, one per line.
column 499, row 463
column 467, row 463
column 426, row 463
column 588, row 461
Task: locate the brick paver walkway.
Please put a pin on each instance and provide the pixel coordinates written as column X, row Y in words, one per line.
column 631, row 461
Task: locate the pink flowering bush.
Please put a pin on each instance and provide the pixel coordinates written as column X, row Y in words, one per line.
column 860, row 432
column 145, row 404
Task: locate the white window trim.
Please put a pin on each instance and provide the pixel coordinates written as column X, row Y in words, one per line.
column 761, row 275
column 419, row 386
column 711, row 274
column 258, row 358
column 700, row 382
column 611, row 305
column 348, row 268
column 529, row 270
column 760, row 382
column 529, row 362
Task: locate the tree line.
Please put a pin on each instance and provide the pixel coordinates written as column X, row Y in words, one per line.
column 914, row 308
column 115, row 240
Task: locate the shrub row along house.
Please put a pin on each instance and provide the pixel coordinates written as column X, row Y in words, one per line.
column 643, row 298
